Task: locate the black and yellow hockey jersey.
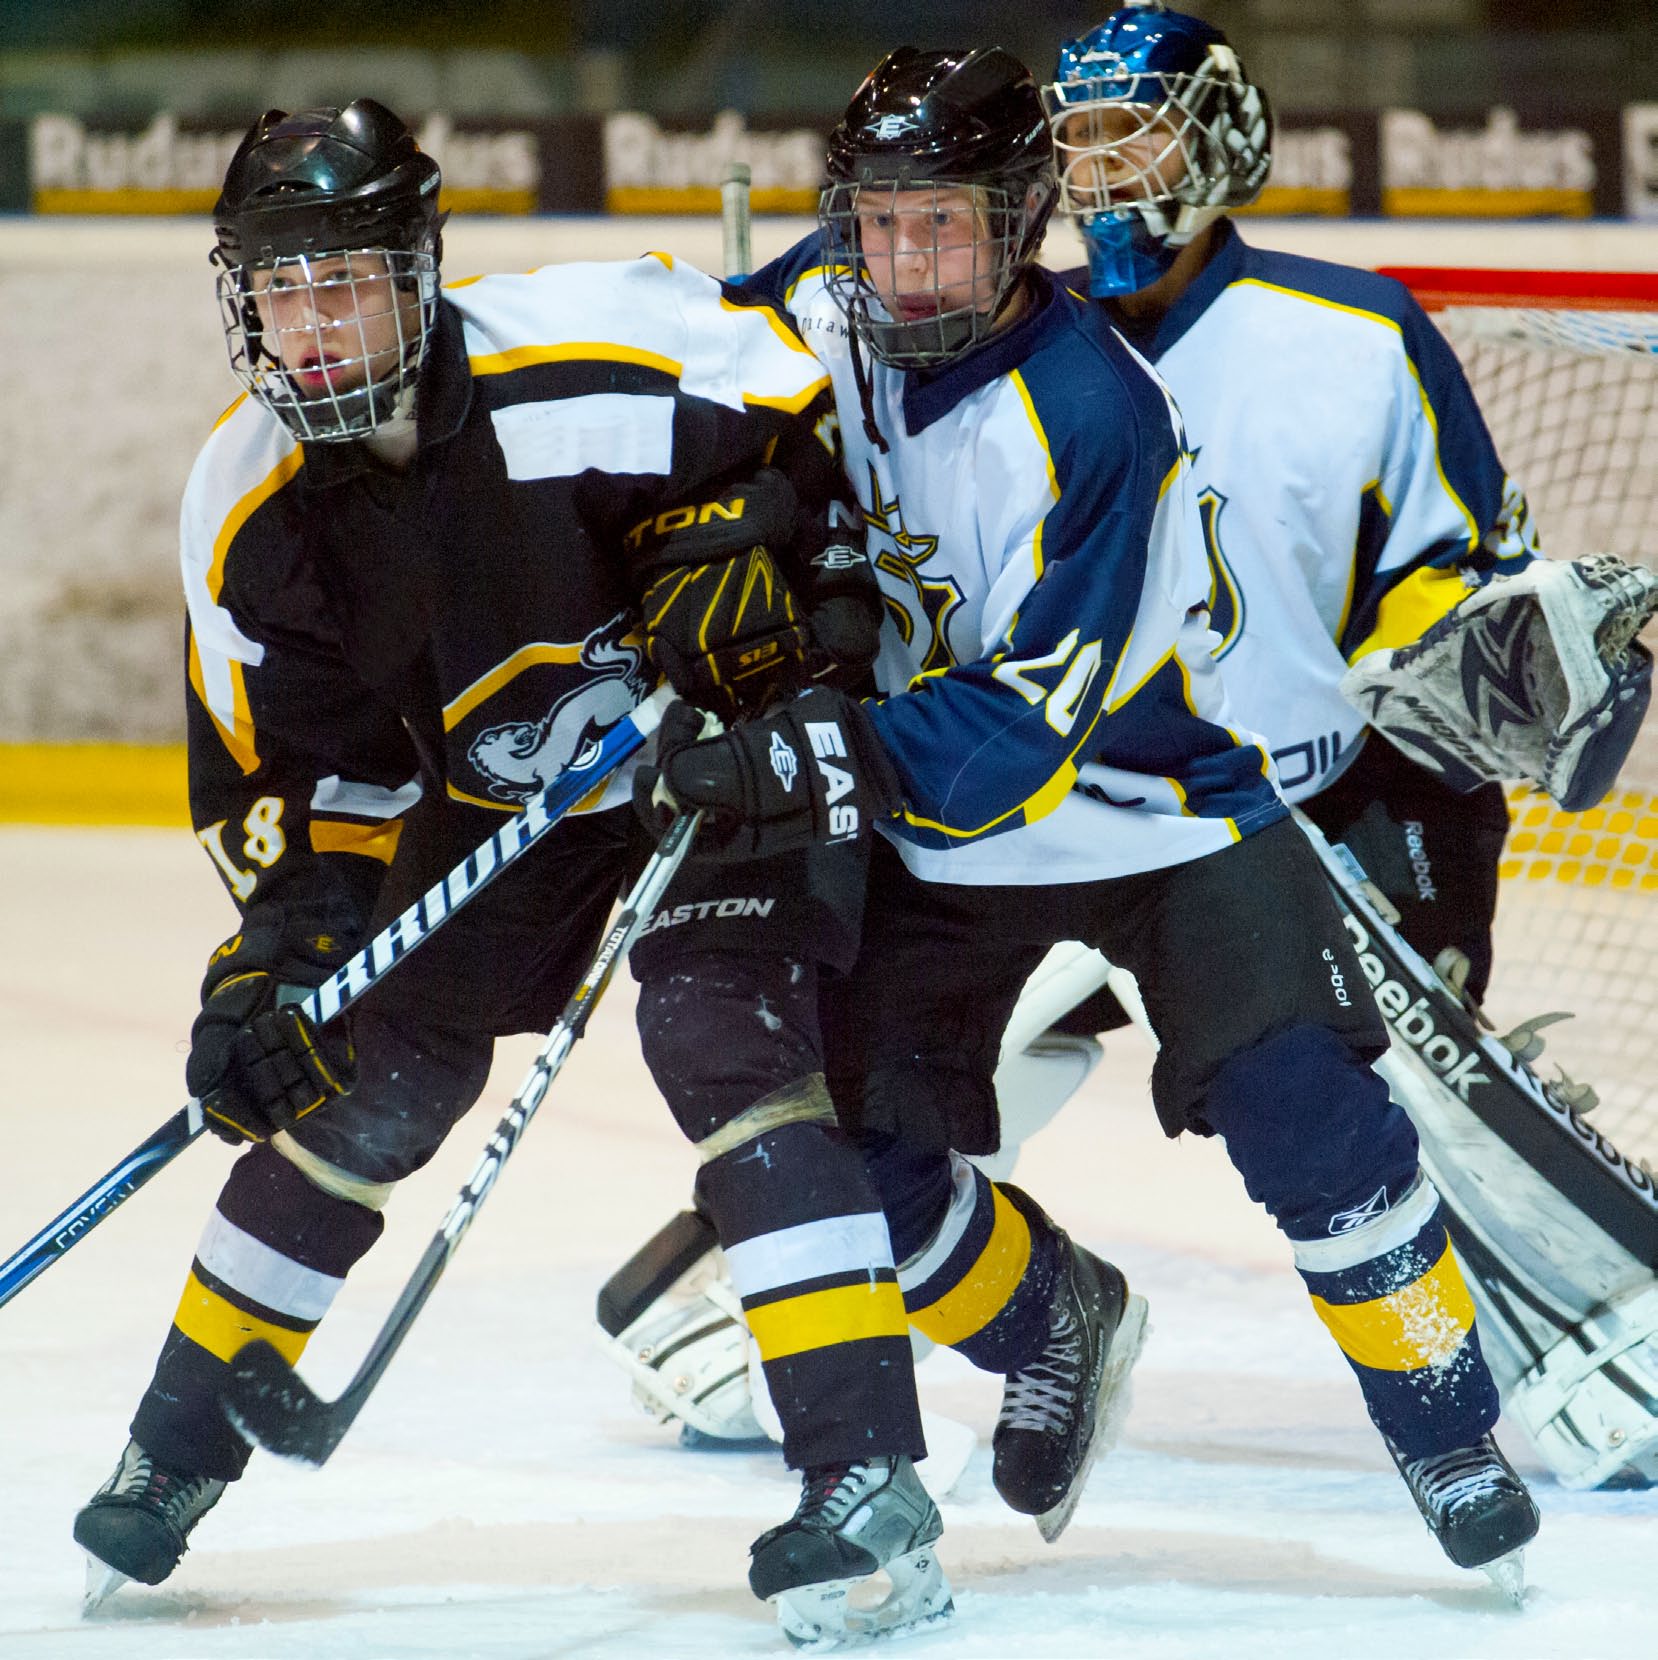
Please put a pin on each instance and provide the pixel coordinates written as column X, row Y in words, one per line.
column 359, row 638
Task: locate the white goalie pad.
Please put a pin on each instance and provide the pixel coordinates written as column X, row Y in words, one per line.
column 688, row 1356
column 1556, row 1231
column 1535, row 676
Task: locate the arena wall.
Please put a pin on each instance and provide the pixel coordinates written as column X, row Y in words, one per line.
column 115, row 369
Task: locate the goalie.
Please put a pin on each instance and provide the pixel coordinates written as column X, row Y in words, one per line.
column 1370, row 562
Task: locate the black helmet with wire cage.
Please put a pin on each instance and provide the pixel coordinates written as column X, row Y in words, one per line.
column 925, row 123
column 328, row 235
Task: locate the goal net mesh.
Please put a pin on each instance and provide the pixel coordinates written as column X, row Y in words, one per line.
column 1565, row 368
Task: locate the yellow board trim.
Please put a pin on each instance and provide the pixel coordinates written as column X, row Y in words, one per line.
column 373, row 841
column 1422, row 1324
column 821, row 1319
column 94, row 784
column 983, row 1292
column 224, row 1330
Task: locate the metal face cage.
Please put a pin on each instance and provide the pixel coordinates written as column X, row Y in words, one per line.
column 331, row 343
column 921, row 270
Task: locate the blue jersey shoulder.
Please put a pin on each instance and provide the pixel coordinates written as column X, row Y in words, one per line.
column 1322, row 279
column 1102, row 411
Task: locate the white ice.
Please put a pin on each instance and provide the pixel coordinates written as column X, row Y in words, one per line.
column 501, row 1499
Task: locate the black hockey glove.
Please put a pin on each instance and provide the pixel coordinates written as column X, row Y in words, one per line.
column 721, row 621
column 812, row 771
column 256, row 1064
column 841, row 595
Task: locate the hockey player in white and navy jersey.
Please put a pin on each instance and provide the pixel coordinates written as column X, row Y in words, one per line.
column 1052, row 758
column 446, row 539
column 1355, row 513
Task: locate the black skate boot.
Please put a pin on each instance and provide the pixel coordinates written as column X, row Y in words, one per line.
column 1477, row 1508
column 136, row 1525
column 853, row 1520
column 1066, row 1408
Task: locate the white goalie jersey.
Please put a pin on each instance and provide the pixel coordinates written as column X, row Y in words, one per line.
column 1345, row 479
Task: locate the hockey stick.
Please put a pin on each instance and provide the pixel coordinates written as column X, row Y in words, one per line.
column 266, row 1399
column 737, row 249
column 394, row 942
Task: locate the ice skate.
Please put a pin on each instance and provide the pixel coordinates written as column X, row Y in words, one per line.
column 1067, row 1407
column 137, row 1524
column 1477, row 1508
column 853, row 1521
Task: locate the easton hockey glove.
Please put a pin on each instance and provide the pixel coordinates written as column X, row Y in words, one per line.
column 720, row 619
column 256, row 1064
column 812, row 771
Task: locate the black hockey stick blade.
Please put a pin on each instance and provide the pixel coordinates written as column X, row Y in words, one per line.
column 265, row 1398
column 277, row 1409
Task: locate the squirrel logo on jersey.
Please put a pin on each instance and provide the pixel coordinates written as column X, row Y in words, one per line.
column 517, row 759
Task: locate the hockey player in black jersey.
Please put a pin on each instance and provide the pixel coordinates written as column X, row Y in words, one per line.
column 1052, row 759
column 446, row 538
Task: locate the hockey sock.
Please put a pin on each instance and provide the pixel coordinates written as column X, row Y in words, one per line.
column 807, row 1248
column 984, row 1282
column 274, row 1254
column 1395, row 1301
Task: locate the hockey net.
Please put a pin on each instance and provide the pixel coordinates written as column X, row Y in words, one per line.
column 1565, row 367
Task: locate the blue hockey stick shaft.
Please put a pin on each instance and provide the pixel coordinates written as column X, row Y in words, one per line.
column 394, row 942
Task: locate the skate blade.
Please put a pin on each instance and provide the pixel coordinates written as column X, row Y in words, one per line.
column 1111, row 1404
column 102, row 1582
column 1508, row 1574
column 820, row 1618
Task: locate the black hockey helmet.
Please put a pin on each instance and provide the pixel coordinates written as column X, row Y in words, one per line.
column 328, row 238
column 961, row 116
column 323, row 179
column 969, row 119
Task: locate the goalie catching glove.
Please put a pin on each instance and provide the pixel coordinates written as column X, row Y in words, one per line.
column 256, row 1064
column 736, row 592
column 1534, row 676
column 812, row 771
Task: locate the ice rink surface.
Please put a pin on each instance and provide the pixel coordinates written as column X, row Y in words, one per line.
column 500, row 1498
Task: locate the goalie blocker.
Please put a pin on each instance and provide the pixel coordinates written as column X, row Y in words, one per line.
column 1557, row 1230
column 1534, row 676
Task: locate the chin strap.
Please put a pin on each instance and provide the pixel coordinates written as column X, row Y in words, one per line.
column 866, row 398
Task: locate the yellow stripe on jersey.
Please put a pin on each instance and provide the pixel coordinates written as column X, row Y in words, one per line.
column 244, row 510
column 820, row 1319
column 1421, row 1324
column 238, row 737
column 572, row 351
column 373, row 841
column 776, row 324
column 221, row 1328
column 791, row 405
column 983, row 1292
column 1409, row 609
column 1035, row 420
column 1421, row 391
column 487, row 685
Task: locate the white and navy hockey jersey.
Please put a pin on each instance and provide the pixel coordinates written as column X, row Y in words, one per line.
column 1051, row 702
column 1344, row 477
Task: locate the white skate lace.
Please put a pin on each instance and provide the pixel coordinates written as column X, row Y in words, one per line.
column 1040, row 1396
column 830, row 1492
column 1448, row 1479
